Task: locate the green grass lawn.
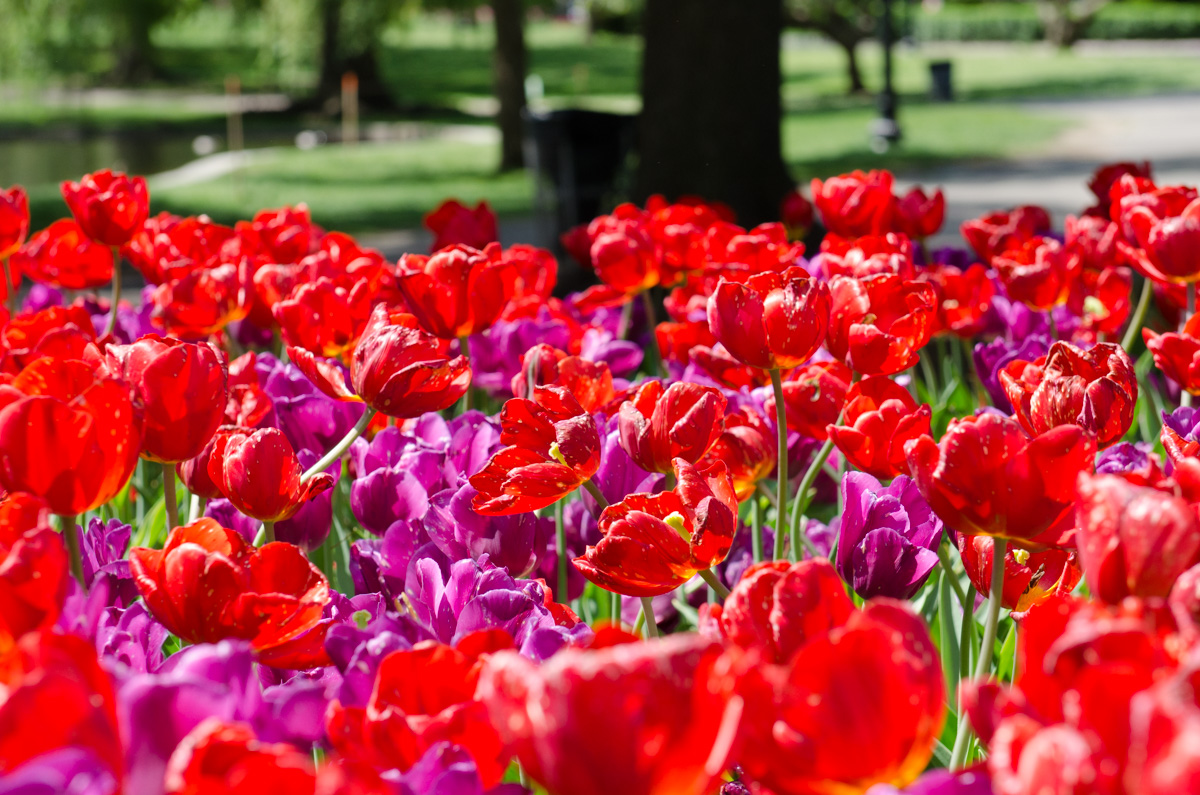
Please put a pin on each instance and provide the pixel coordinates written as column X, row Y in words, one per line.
column 435, row 66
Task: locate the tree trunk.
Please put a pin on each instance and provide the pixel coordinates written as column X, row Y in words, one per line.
column 335, row 62
column 329, row 83
column 134, row 50
column 509, row 71
column 710, row 123
column 856, row 81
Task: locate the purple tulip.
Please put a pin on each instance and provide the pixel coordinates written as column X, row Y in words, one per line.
column 618, row 476
column 623, row 357
column 1124, row 457
column 309, row 528
column 454, row 599
column 357, row 650
column 888, row 539
column 582, row 531
column 379, row 565
column 447, row 769
column 309, row 419
column 227, row 516
column 132, row 638
column 942, row 782
column 991, row 357
column 72, row 770
column 514, row 542
column 496, row 354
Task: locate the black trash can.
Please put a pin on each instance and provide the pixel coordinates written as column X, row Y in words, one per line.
column 577, row 157
column 941, row 81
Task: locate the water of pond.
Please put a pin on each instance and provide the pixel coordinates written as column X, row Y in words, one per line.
column 42, row 159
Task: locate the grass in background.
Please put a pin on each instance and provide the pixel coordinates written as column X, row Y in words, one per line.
column 366, row 187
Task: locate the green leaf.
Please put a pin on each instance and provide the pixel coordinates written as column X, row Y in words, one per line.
column 948, row 637
column 152, row 531
column 1006, row 664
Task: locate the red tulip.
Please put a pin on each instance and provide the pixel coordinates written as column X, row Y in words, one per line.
column 1030, row 578
column 654, row 543
column 551, row 448
column 748, row 449
column 676, row 341
column 589, row 382
column 531, row 277
column 33, row 568
column 994, row 232
column 657, row 426
column 61, row 255
column 1101, row 300
column 814, row 396
column 773, row 321
column 285, row 235
column 852, row 698
column 879, row 324
column 14, row 219
column 456, row 292
column 194, row 473
column 67, row 434
column 424, row 696
column 1095, row 389
column 1178, row 355
column 633, row 718
column 453, row 223
column 1130, row 193
column 796, row 213
column 1094, row 240
column 777, row 608
column 228, row 758
column 204, row 301
column 1107, row 175
column 963, row 298
column 721, row 367
column 61, row 332
column 181, row 388
column 259, row 473
column 400, row 371
column 1076, row 721
column 986, row 477
column 879, row 420
column 918, row 215
column 397, row 369
column 1167, row 246
column 325, row 317
column 169, row 247
column 738, row 253
column 855, row 204
column 1134, row 539
column 109, row 207
column 207, row 584
column 872, row 255
column 1038, row 272
column 56, row 695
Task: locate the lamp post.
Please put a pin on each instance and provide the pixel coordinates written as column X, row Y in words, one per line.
column 885, row 130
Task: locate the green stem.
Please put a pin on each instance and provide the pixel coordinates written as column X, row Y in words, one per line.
column 341, row 447
column 718, row 587
column 781, row 465
column 1185, row 397
column 648, row 615
column 116, row 292
column 594, row 490
column 464, row 348
column 73, row 555
column 197, row 508
column 614, row 608
column 626, row 318
column 1053, row 325
column 756, row 531
column 944, row 560
column 560, row 535
column 802, row 499
column 1139, row 315
column 927, row 373
column 983, row 665
column 652, row 323
column 169, row 498
column 266, row 534
column 10, row 288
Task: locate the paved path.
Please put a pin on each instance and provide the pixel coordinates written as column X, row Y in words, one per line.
column 1164, row 130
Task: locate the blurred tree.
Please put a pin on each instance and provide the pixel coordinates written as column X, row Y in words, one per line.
column 846, row 23
column 1066, row 20
column 710, row 122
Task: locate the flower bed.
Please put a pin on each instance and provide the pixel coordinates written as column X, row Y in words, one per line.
column 727, row 521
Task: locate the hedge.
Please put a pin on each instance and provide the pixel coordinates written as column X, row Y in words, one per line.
column 1019, row 22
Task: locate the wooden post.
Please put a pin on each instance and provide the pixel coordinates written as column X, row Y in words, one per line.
column 349, row 109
